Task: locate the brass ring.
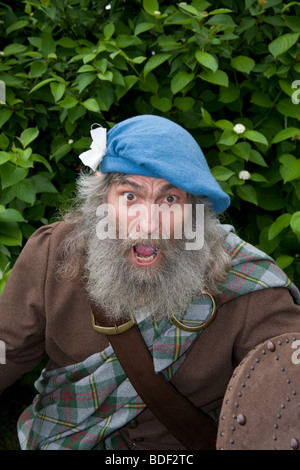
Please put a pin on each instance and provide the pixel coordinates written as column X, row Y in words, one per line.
column 204, row 325
column 113, row 330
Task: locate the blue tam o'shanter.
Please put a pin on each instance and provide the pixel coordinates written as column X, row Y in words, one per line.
column 154, row 146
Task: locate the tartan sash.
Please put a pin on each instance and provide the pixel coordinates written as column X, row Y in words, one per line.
column 82, row 406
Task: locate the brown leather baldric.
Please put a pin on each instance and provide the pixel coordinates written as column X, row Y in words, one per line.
column 192, row 427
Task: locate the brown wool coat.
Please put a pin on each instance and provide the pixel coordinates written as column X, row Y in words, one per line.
column 40, row 315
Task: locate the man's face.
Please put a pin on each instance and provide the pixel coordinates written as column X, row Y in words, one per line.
column 140, row 203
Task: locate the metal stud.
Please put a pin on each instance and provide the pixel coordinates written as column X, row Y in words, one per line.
column 241, row 419
column 294, row 443
column 271, row 346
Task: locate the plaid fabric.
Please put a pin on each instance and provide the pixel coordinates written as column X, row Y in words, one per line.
column 82, row 406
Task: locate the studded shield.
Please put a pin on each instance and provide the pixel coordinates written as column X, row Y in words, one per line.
column 261, row 407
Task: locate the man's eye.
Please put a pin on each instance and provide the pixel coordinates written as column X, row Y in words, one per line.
column 170, row 199
column 129, row 197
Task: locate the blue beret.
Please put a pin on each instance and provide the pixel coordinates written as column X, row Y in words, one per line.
column 154, row 146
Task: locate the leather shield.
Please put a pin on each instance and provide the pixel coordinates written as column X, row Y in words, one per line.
column 261, row 407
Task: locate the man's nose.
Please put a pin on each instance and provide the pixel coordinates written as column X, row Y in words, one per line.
column 148, row 219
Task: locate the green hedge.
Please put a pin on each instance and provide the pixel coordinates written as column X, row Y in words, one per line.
column 228, row 71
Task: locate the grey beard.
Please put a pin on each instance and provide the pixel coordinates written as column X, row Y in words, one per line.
column 120, row 287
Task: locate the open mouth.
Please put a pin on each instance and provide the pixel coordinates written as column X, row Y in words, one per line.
column 145, row 254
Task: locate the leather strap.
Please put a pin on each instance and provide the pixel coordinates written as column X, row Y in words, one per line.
column 194, row 429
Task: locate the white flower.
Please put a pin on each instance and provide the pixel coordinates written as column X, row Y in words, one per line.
column 244, row 175
column 239, row 128
column 70, row 141
column 94, row 156
column 157, row 12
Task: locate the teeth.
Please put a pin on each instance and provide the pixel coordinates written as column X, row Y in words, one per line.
column 150, row 258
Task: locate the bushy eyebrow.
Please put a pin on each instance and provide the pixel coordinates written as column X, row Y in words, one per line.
column 167, row 187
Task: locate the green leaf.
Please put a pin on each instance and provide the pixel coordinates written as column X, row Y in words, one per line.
column 229, row 94
column 242, row 63
column 295, row 222
column 282, row 222
column 256, row 136
column 25, row 190
column 57, row 90
column 107, row 75
column 139, row 59
column 283, row 261
column 285, row 134
column 41, row 159
column 247, row 193
column 14, row 49
column 224, row 124
column 142, row 27
column 180, row 80
column 5, row 157
column 37, row 69
column 261, row 99
column 48, row 45
column 228, row 137
column 163, row 104
column 42, row 184
column 83, row 80
column 5, row 115
column 11, row 215
column 290, row 167
column 10, row 234
column 218, row 78
column 206, row 59
column 41, row 84
column 154, row 62
column 222, row 173
column 150, row 6
column 28, row 136
column 270, row 199
column 185, row 103
column 287, row 108
column 3, row 279
column 16, row 26
column 283, row 43
column 190, row 9
column 66, row 42
column 221, row 21
column 129, row 80
column 258, row 178
column 92, row 105
column 109, row 30
column 256, row 157
column 10, row 175
column 68, row 102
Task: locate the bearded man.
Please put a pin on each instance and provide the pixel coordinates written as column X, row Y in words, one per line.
column 142, row 247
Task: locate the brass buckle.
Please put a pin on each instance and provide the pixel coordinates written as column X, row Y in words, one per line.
column 113, row 330
column 204, row 325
